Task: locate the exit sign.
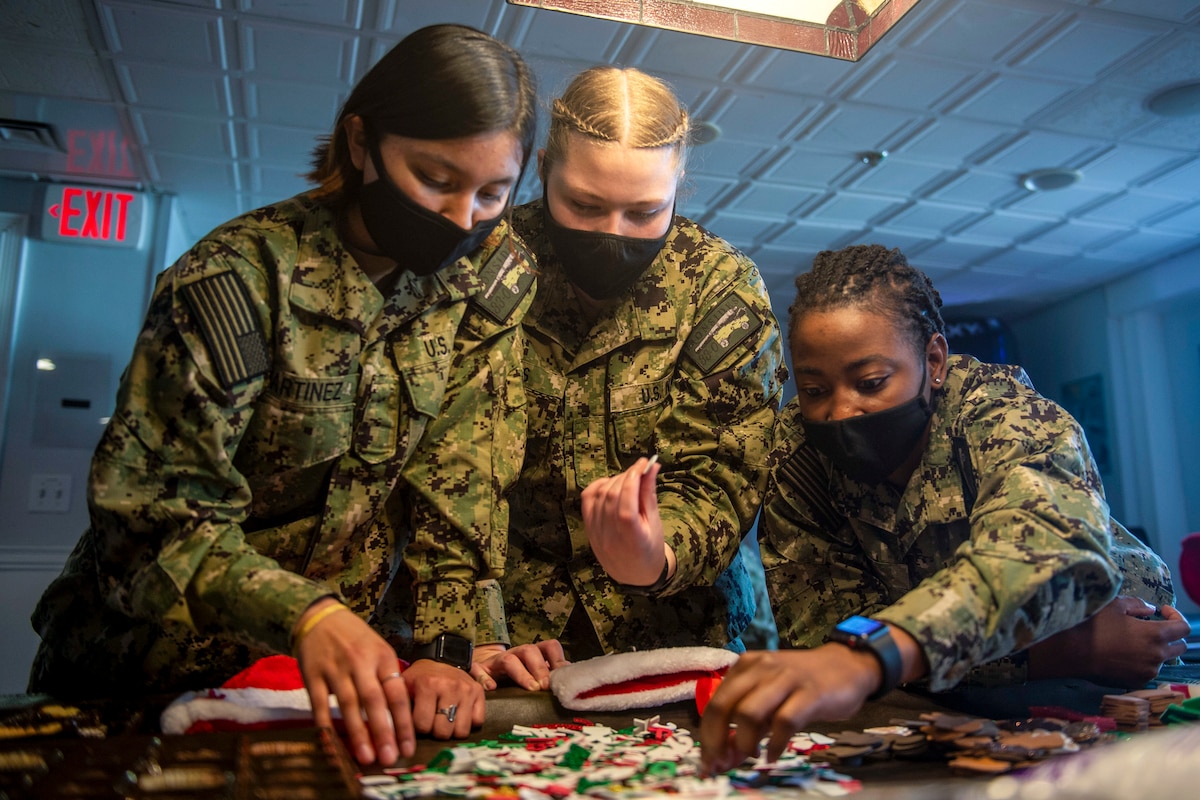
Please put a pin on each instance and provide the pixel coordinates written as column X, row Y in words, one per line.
column 93, row 215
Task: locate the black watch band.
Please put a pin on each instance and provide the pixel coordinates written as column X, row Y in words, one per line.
column 447, row 648
column 654, row 588
column 862, row 633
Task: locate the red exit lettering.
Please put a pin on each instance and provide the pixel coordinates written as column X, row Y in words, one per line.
column 92, row 214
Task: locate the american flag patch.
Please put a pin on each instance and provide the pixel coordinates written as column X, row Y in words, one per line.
column 231, row 329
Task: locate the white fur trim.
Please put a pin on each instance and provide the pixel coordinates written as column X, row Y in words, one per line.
column 244, row 706
column 573, row 680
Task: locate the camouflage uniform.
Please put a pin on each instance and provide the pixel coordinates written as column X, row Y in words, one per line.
column 687, row 365
column 274, row 399
column 1038, row 554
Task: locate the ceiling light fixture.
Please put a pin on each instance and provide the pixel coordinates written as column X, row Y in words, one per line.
column 705, row 132
column 843, row 29
column 1178, row 101
column 1050, row 179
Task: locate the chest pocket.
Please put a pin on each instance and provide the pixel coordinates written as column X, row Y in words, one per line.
column 636, row 409
column 396, row 410
column 299, row 422
column 545, row 389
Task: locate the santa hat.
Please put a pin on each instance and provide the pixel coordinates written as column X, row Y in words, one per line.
column 640, row 679
column 269, row 693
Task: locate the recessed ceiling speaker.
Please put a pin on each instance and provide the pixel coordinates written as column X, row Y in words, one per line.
column 1048, row 180
column 1178, row 101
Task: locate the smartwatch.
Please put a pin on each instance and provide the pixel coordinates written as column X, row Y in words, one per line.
column 861, row 633
column 448, row 648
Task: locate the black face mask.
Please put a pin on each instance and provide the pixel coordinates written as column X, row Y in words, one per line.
column 870, row 447
column 419, row 240
column 603, row 265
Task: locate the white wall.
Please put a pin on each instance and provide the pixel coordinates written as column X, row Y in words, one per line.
column 1142, row 336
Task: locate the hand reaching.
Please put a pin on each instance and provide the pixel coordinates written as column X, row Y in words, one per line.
column 776, row 693
column 341, row 655
column 620, row 514
column 527, row 665
column 1120, row 645
column 447, row 701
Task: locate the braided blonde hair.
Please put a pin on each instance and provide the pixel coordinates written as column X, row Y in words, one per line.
column 620, row 105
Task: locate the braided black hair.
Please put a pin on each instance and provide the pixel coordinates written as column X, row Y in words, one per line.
column 876, row 278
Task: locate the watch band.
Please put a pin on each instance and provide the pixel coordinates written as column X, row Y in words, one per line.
column 447, row 648
column 863, row 633
column 654, row 588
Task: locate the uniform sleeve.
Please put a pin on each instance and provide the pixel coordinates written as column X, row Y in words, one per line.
column 467, row 460
column 164, row 494
column 1037, row 561
column 816, row 572
column 715, row 437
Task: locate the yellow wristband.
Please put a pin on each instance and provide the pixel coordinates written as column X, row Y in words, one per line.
column 312, row 622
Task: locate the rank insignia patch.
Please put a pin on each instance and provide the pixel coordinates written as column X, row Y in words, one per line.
column 235, row 339
column 722, row 329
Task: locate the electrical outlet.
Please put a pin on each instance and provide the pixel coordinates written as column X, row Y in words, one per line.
column 50, row 494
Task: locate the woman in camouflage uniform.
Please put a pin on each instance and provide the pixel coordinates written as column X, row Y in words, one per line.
column 324, row 406
column 649, row 335
column 940, row 506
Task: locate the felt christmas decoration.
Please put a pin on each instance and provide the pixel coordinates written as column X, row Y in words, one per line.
column 640, row 679
column 269, row 693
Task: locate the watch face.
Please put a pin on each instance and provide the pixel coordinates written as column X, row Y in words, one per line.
column 455, row 650
column 860, row 626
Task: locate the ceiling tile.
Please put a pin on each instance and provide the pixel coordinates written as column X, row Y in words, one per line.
column 194, row 136
column 853, row 208
column 1006, row 227
column 1084, row 48
column 278, row 146
column 912, row 83
column 897, row 176
column 268, row 49
column 760, row 116
column 979, row 189
column 980, row 33
column 1013, row 99
column 1074, row 235
column 930, row 218
column 195, row 92
column 300, row 105
column 1039, row 149
column 1132, row 208
column 771, row 198
column 164, row 34
column 326, row 12
column 850, row 128
column 948, row 141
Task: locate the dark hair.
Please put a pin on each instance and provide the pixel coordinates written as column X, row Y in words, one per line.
column 874, row 277
column 439, row 82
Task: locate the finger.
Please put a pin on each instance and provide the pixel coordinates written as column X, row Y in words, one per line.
column 649, row 495
column 538, row 669
column 1134, row 606
column 552, row 651
column 395, row 691
column 318, row 695
column 717, row 746
column 480, row 673
column 1175, row 649
column 1170, row 613
column 356, row 729
column 369, row 688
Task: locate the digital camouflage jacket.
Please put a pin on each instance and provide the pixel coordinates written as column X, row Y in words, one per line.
column 285, row 432
column 973, row 580
column 688, row 365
